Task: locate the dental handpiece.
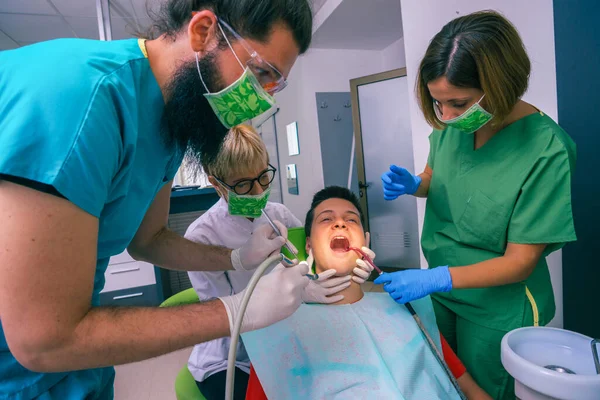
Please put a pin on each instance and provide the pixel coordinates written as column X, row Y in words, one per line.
column 278, row 232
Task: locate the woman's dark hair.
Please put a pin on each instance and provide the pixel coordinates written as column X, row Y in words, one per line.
column 330, row 192
column 253, row 19
column 482, row 50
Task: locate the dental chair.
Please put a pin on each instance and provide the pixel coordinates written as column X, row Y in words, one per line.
column 298, row 239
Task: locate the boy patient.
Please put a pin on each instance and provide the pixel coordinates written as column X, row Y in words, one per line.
column 333, row 224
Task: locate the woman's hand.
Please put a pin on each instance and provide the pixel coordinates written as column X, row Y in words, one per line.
column 406, row 286
column 398, row 181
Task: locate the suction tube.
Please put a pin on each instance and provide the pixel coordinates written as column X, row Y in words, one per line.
column 235, row 334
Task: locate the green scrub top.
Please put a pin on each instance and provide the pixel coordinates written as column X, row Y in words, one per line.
column 82, row 117
column 516, row 188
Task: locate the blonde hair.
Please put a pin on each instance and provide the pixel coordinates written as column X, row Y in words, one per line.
column 482, row 50
column 242, row 151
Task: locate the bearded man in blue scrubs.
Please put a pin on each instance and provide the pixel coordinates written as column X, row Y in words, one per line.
column 91, row 135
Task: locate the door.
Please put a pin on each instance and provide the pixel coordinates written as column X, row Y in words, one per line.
column 334, row 112
column 383, row 137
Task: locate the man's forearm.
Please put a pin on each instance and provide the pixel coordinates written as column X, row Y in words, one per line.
column 113, row 336
column 170, row 250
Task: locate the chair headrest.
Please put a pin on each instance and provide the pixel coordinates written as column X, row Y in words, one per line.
column 298, row 239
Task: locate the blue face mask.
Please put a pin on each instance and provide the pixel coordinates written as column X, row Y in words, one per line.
column 470, row 121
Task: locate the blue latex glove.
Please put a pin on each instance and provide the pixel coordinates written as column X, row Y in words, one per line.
column 398, row 181
column 405, row 286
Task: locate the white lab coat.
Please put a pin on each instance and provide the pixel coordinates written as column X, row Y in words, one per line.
column 217, row 227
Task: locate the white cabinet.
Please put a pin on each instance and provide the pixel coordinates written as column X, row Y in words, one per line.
column 128, row 275
column 129, row 282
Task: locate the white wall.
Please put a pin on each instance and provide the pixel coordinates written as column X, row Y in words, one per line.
column 393, row 56
column 534, row 19
column 319, row 70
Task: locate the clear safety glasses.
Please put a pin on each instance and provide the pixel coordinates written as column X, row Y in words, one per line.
column 268, row 76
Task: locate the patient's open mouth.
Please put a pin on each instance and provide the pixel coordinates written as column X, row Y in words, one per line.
column 340, row 244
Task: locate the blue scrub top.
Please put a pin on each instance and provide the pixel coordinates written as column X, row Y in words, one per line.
column 83, row 116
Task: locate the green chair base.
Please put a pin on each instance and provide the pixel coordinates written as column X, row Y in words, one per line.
column 185, row 386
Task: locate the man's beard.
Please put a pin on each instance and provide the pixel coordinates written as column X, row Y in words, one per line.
column 189, row 124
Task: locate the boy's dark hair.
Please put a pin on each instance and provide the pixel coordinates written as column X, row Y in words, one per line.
column 330, row 192
column 252, row 19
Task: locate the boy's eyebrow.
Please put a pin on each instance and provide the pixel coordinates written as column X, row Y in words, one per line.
column 324, row 212
column 345, row 212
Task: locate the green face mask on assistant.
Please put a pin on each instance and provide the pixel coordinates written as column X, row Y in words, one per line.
column 241, row 101
column 249, row 206
column 470, row 121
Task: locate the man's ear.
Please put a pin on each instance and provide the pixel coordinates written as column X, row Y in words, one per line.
column 307, row 247
column 202, row 31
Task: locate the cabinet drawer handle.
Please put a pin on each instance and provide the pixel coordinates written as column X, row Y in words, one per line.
column 128, row 296
column 120, row 271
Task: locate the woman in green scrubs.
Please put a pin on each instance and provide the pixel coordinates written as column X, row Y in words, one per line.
column 498, row 202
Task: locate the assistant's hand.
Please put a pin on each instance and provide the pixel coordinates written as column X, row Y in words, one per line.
column 363, row 269
column 406, row 286
column 398, row 181
column 263, row 243
column 276, row 296
column 327, row 285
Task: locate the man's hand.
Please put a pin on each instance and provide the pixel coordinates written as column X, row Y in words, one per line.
column 276, row 296
column 323, row 289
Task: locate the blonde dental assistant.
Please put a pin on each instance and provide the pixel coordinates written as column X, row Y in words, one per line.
column 91, row 134
column 497, row 183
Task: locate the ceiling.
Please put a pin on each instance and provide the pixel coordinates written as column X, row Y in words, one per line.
column 361, row 25
column 24, row 22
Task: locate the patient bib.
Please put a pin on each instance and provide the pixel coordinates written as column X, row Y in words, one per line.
column 372, row 349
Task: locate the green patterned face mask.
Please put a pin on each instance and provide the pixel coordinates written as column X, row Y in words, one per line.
column 246, row 205
column 470, row 121
column 241, row 101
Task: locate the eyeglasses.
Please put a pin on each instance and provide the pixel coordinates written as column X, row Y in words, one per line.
column 268, row 76
column 245, row 186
